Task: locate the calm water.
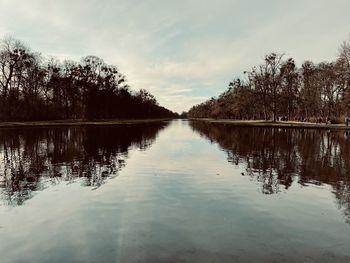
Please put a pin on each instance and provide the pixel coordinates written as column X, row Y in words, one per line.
column 174, row 192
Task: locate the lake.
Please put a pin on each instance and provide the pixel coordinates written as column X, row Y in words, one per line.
column 176, row 191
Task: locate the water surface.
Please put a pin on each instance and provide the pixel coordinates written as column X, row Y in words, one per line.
column 174, row 192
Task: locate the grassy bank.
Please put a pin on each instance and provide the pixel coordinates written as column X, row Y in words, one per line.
column 282, row 124
column 75, row 123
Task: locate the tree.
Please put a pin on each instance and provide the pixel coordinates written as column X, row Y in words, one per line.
column 290, row 89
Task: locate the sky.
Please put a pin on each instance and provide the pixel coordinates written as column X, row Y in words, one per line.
column 182, row 51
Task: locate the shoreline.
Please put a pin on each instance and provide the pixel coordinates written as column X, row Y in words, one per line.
column 65, row 123
column 278, row 124
column 252, row 123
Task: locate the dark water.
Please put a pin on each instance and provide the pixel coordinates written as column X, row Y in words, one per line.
column 174, row 192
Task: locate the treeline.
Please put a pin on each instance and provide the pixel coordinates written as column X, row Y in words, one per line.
column 278, row 89
column 34, row 88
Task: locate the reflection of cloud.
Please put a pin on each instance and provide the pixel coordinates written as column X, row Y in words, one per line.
column 162, row 43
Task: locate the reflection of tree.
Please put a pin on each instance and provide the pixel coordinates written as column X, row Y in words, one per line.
column 276, row 157
column 34, row 158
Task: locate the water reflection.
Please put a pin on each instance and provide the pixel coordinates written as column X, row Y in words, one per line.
column 277, row 157
column 32, row 159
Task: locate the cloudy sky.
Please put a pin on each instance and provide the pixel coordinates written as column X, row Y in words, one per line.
column 182, row 51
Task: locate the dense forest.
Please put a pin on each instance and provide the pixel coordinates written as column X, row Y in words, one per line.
column 35, row 88
column 279, row 89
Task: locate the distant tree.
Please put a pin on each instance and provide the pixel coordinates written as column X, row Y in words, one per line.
column 289, row 96
column 273, row 80
column 343, row 63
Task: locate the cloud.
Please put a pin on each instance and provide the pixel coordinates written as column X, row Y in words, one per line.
column 182, row 51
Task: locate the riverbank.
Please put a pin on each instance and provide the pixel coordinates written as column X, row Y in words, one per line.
column 281, row 124
column 75, row 123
